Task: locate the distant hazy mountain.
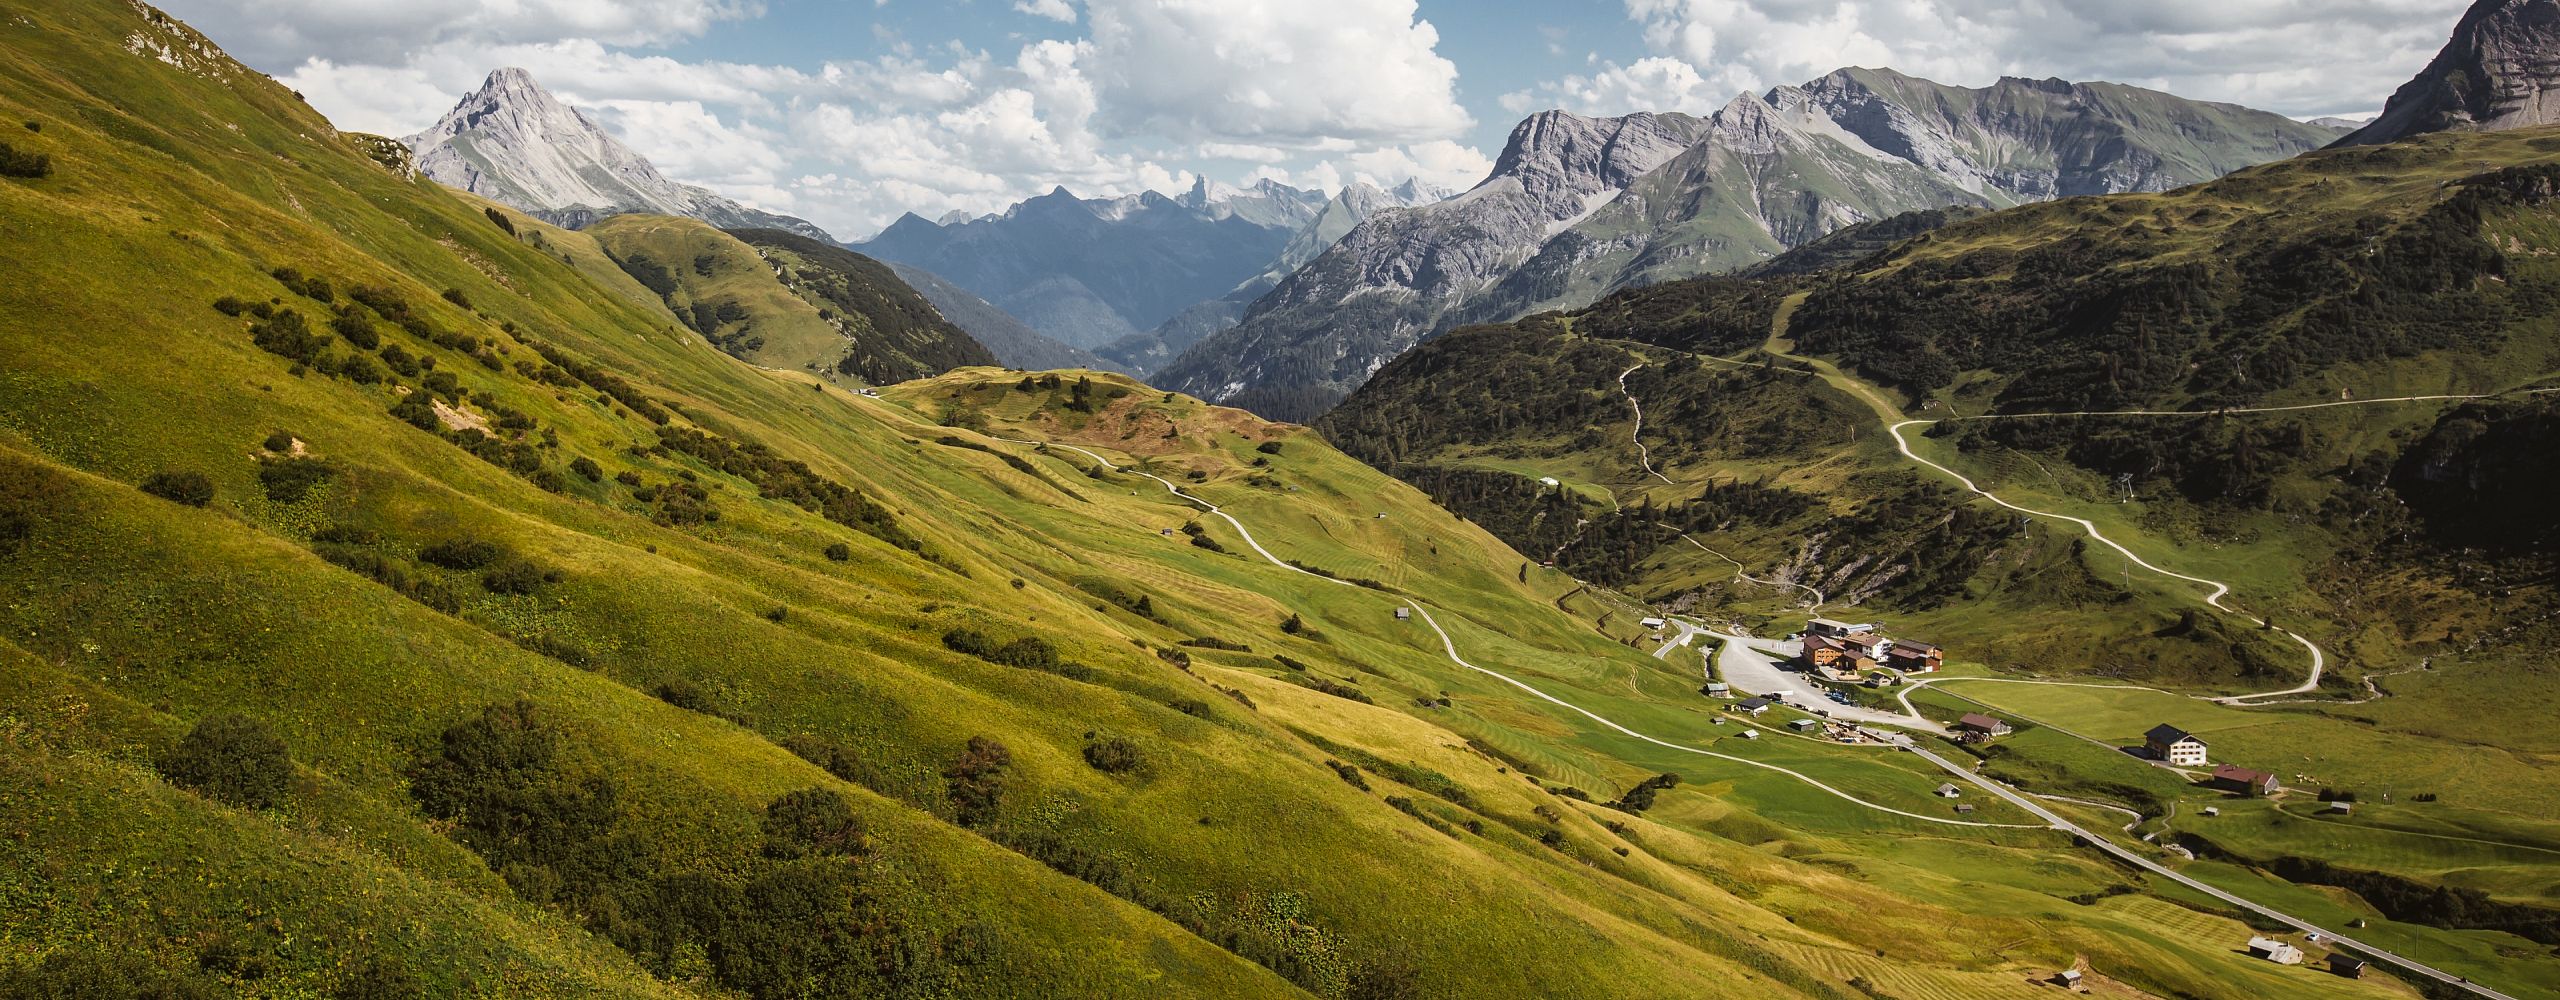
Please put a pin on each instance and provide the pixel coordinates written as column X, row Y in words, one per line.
column 511, row 141
column 1577, row 207
column 1143, row 353
column 1088, row 272
column 1015, row 345
column 2501, row 70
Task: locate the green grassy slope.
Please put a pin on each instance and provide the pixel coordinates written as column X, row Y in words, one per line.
column 785, row 301
column 718, row 586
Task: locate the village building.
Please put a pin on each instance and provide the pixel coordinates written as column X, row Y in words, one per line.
column 2174, row 745
column 1965, row 808
column 1750, row 734
column 2067, row 977
column 1404, row 614
column 1913, row 657
column 2346, row 965
column 1718, row 689
column 2342, row 808
column 1842, row 650
column 2272, row 950
column 1652, row 623
column 1832, row 628
column 1753, row 706
column 2246, row 781
column 1975, row 727
column 1881, row 679
column 1948, row 791
column 1805, row 725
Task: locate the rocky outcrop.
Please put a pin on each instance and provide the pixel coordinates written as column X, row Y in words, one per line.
column 2501, row 70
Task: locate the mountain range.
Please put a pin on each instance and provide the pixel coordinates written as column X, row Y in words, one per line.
column 1134, row 278
column 514, row 142
column 1578, row 206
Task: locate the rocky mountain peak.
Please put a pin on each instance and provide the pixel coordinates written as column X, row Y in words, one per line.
column 2500, row 70
column 1561, row 160
column 514, row 142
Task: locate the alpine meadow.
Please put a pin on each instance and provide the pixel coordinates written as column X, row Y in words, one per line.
column 1247, row 521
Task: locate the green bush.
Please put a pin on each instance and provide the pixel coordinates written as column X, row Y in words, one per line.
column 15, row 162
column 289, row 480
column 462, row 553
column 88, row 975
column 311, row 287
column 455, row 296
column 358, row 330
column 516, row 576
column 813, row 821
column 502, row 781
column 587, row 469
column 399, row 360
column 977, row 781
column 233, row 759
column 500, row 219
column 1112, row 755
column 416, row 410
column 193, row 489
column 1268, row 447
column 840, row 552
column 230, row 305
column 1029, row 652
column 377, row 979
column 970, row 642
column 281, row 441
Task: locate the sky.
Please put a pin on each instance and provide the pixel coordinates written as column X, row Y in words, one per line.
column 850, row 113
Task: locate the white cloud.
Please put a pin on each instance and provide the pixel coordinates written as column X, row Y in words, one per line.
column 1055, row 10
column 1439, row 162
column 287, row 32
column 1272, row 71
column 1654, row 83
column 2292, row 56
column 1318, row 90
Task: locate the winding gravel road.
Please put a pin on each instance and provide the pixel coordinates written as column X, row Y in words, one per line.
column 1449, row 646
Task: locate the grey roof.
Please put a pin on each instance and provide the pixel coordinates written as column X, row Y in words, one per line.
column 2166, row 734
column 1750, row 703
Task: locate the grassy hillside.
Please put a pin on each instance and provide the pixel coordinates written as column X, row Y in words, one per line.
column 782, row 300
column 400, row 607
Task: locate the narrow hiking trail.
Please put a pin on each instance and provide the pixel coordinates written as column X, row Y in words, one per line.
column 1449, row 646
column 2051, row 819
column 1645, row 456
